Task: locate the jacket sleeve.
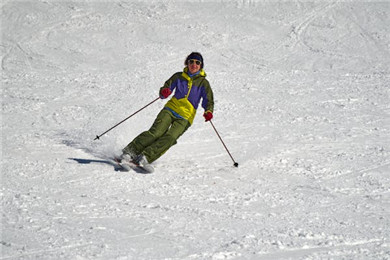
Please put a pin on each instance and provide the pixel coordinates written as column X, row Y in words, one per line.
column 170, row 83
column 208, row 98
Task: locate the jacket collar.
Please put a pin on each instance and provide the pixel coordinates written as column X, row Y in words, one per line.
column 202, row 73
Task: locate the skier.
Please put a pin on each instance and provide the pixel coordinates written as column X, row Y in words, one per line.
column 177, row 115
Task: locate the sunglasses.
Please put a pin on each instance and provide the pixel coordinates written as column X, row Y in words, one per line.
column 197, row 62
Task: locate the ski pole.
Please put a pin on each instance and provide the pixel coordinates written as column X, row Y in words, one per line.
column 98, row 136
column 235, row 163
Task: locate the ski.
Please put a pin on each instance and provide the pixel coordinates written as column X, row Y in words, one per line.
column 128, row 166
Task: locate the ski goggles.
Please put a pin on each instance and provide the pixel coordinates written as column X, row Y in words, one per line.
column 192, row 61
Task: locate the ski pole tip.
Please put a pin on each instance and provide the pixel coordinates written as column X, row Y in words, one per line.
column 96, row 138
column 235, row 164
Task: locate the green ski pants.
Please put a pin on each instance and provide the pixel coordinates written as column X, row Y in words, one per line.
column 163, row 134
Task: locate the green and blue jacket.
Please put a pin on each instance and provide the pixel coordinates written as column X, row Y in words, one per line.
column 188, row 93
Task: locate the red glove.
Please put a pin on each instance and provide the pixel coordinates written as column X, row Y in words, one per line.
column 208, row 115
column 165, row 92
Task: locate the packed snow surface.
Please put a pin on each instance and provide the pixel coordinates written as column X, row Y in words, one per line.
column 301, row 101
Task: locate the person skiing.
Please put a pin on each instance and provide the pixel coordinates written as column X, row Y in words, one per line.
column 189, row 86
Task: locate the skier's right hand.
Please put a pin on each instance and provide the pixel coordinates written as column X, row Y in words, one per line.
column 165, row 92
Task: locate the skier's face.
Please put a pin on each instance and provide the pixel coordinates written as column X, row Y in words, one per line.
column 194, row 66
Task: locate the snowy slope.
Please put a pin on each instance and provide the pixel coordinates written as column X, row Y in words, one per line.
column 302, row 102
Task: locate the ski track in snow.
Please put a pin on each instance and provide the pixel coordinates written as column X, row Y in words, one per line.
column 301, row 100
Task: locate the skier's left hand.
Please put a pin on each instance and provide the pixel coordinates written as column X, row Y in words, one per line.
column 208, row 115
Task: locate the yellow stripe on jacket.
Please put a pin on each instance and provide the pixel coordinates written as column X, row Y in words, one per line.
column 183, row 107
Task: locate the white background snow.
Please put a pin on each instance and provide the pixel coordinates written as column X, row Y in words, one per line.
column 301, row 100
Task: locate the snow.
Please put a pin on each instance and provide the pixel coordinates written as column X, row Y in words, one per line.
column 301, row 100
